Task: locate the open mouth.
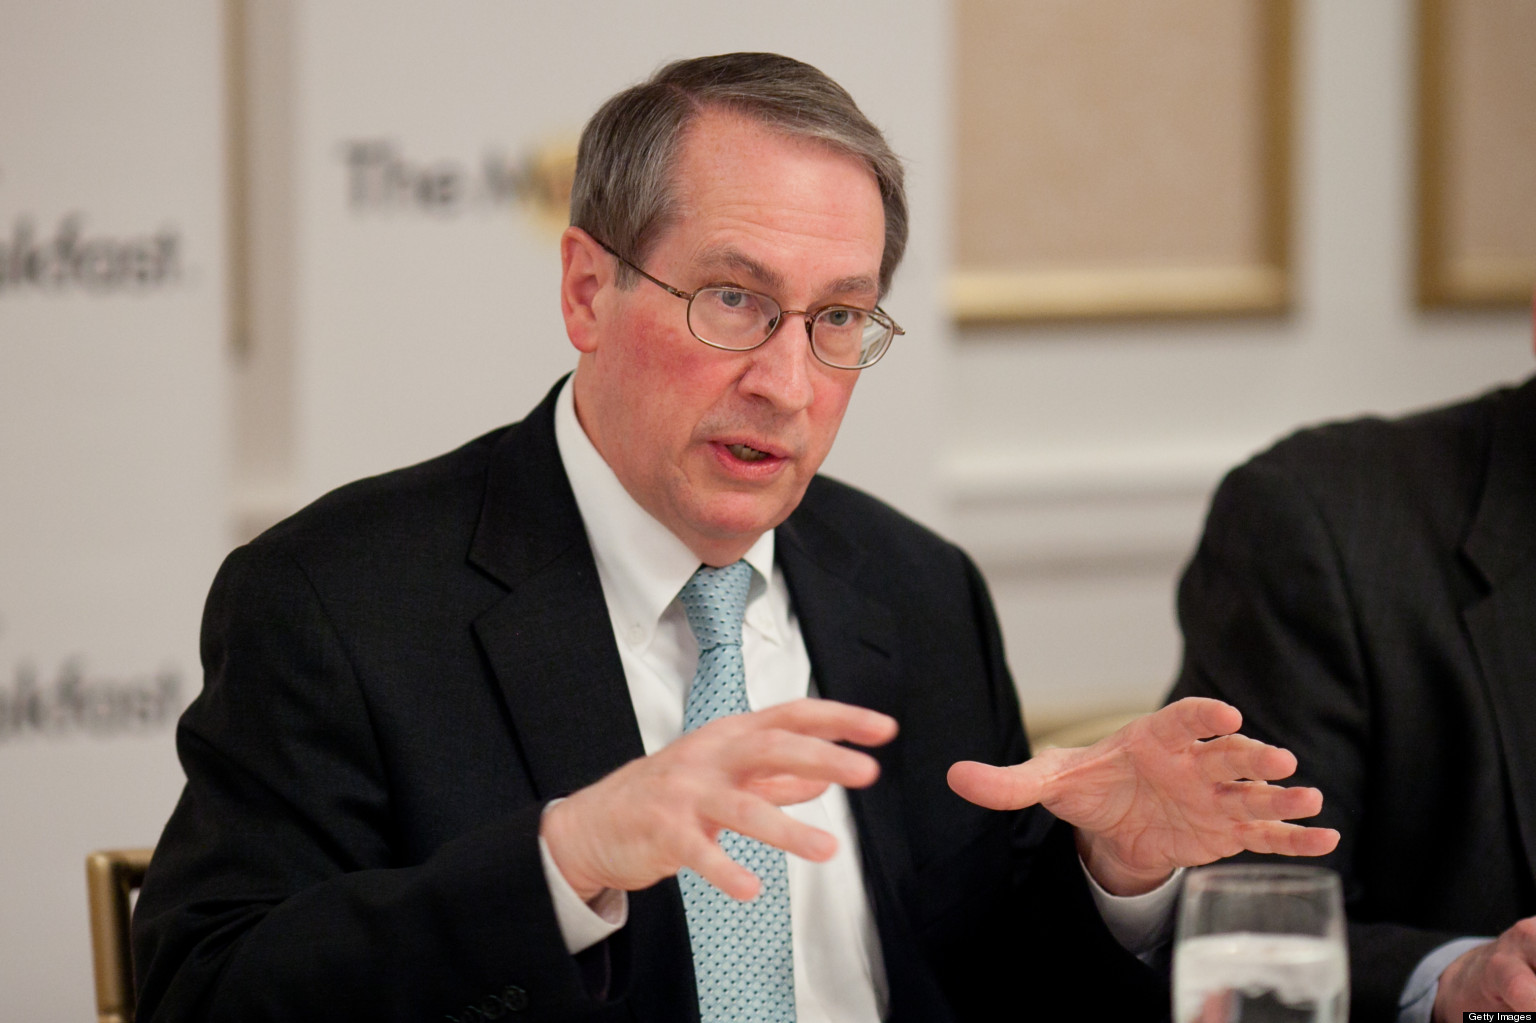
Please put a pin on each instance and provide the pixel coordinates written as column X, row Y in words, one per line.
column 747, row 454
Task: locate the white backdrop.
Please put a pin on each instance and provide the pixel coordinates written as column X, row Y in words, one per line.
column 112, row 461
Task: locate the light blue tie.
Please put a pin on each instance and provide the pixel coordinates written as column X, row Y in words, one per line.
column 742, row 956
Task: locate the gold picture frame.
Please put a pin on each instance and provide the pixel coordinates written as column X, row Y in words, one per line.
column 1476, row 153
column 1031, row 267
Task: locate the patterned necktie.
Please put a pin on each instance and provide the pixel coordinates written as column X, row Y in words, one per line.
column 742, row 956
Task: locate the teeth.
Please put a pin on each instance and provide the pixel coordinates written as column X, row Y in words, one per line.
column 747, row 454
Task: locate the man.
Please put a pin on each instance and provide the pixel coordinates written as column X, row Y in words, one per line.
column 1365, row 593
column 484, row 735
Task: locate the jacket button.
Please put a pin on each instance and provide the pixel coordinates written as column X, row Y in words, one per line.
column 514, row 998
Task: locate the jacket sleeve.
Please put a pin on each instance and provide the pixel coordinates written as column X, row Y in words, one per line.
column 1270, row 625
column 278, row 890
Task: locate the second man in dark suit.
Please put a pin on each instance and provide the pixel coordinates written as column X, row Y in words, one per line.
column 1365, row 593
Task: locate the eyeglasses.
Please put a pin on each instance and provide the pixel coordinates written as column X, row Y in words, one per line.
column 739, row 320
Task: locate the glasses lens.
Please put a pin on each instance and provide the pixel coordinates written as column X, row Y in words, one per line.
column 731, row 318
column 849, row 337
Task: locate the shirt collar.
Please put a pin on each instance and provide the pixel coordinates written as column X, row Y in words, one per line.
column 640, row 563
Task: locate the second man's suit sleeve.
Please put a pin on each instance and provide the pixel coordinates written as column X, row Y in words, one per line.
column 1269, row 623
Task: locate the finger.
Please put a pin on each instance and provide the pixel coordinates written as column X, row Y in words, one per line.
column 1286, row 839
column 1508, row 978
column 998, row 788
column 705, row 858
column 1218, row 1006
column 753, row 817
column 1238, row 756
column 1520, row 992
column 1521, row 939
column 764, row 753
column 786, row 789
column 1520, row 988
column 1262, row 801
column 1194, row 717
column 830, row 720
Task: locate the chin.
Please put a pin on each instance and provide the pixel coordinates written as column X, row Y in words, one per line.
column 725, row 524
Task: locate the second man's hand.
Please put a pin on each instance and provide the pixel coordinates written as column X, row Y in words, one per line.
column 663, row 812
column 1172, row 789
column 1500, row 975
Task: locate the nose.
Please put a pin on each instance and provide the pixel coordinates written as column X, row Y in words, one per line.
column 781, row 368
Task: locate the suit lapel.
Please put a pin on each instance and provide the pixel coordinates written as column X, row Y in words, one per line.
column 853, row 643
column 1502, row 546
column 550, row 645
column 549, row 641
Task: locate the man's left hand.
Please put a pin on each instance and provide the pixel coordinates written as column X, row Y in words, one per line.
column 1172, row 789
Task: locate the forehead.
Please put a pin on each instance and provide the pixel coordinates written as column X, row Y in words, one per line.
column 753, row 199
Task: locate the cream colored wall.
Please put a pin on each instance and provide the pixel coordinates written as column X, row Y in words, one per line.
column 1078, row 459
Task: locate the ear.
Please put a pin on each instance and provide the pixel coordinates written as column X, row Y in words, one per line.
column 585, row 270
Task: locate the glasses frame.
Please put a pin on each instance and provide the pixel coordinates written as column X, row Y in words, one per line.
column 877, row 314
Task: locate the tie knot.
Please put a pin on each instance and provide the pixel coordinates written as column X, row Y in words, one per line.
column 716, row 601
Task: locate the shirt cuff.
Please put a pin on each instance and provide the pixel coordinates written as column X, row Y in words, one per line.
column 1140, row 923
column 582, row 924
column 1417, row 1002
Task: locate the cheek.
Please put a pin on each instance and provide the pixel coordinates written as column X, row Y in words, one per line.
column 646, row 349
column 667, row 380
column 831, row 402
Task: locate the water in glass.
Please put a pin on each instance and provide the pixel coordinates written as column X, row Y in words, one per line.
column 1261, row 944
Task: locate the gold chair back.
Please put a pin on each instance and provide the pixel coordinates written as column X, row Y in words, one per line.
column 111, row 877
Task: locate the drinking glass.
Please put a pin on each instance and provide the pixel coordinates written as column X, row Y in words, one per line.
column 1260, row 943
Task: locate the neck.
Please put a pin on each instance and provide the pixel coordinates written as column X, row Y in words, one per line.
column 718, row 554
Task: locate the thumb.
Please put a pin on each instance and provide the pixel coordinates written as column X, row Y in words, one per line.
column 997, row 788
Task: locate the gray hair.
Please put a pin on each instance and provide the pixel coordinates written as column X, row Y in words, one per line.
column 624, row 193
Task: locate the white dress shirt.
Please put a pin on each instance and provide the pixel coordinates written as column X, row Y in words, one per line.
column 641, row 565
column 839, row 972
column 1417, row 1002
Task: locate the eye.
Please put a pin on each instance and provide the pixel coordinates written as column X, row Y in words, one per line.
column 736, row 302
column 842, row 318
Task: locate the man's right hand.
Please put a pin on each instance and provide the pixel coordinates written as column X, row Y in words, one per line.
column 663, row 812
column 1500, row 975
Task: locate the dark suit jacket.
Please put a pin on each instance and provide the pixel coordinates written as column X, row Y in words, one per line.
column 1365, row 593
column 402, row 675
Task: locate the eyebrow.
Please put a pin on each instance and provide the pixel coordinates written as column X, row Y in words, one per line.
column 725, row 257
